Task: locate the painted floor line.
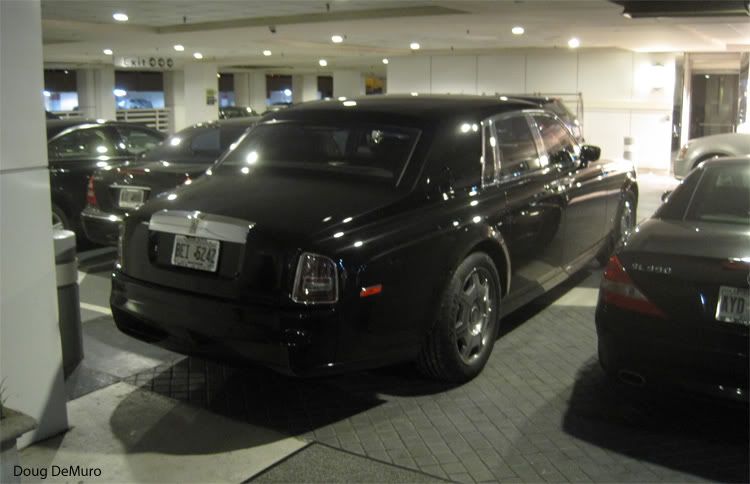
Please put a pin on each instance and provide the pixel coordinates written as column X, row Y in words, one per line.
column 96, row 309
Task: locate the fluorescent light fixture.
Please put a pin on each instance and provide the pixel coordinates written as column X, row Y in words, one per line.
column 120, row 92
column 323, row 62
column 120, row 16
column 267, row 53
column 385, row 61
column 198, row 55
column 574, row 43
column 518, row 30
column 337, row 39
column 107, row 51
column 414, row 46
column 179, row 47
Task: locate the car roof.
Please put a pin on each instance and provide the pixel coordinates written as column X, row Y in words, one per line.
column 727, row 161
column 57, row 126
column 246, row 121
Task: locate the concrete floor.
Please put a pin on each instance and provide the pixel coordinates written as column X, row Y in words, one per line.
column 541, row 410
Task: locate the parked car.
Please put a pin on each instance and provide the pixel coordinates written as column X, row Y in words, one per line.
column 276, row 107
column 557, row 106
column 701, row 149
column 228, row 112
column 113, row 193
column 355, row 234
column 75, row 148
column 674, row 305
column 49, row 115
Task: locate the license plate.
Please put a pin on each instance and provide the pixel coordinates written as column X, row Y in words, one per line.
column 733, row 305
column 195, row 253
column 131, row 197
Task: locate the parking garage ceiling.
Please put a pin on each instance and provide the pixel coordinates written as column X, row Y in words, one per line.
column 298, row 32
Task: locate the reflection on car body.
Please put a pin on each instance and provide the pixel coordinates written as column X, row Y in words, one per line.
column 375, row 230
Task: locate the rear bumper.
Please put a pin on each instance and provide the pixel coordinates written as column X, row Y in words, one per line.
column 297, row 342
column 670, row 354
column 100, row 227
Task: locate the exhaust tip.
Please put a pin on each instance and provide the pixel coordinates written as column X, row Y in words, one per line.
column 631, row 378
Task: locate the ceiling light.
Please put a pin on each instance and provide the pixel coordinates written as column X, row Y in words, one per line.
column 415, row 94
column 107, row 51
column 323, row 62
column 385, row 61
column 708, row 77
column 414, row 46
column 198, row 55
column 46, row 93
column 337, row 39
column 120, row 17
column 267, row 53
column 574, row 42
column 518, row 30
column 120, row 92
column 626, row 15
column 287, row 92
column 179, row 47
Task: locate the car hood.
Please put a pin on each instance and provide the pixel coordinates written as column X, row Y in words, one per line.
column 295, row 207
column 695, row 239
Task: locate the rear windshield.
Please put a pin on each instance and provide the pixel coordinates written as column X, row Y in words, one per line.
column 370, row 150
column 196, row 143
column 722, row 196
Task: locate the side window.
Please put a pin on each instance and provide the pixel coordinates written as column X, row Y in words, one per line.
column 207, row 142
column 488, row 155
column 561, row 148
column 516, row 146
column 81, row 143
column 138, row 141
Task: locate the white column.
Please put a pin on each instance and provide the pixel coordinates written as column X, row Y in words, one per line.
column 95, row 96
column 241, row 89
column 30, row 352
column 348, row 84
column 250, row 90
column 310, row 87
column 298, row 89
column 192, row 95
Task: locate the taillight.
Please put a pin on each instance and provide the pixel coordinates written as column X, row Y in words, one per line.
column 90, row 193
column 316, row 281
column 619, row 290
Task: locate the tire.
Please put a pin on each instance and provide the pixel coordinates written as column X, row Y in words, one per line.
column 466, row 323
column 622, row 227
column 59, row 219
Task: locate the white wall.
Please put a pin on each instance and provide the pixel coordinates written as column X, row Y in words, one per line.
column 30, row 353
column 185, row 94
column 95, row 92
column 624, row 94
column 348, row 84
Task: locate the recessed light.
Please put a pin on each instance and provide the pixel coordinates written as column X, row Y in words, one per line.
column 385, row 61
column 120, row 16
column 107, row 51
column 179, row 47
column 198, row 55
column 518, row 30
column 574, row 43
column 119, row 92
column 287, row 92
column 415, row 94
column 337, row 39
column 267, row 53
column 323, row 62
column 414, row 46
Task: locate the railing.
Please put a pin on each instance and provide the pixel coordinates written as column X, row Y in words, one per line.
column 153, row 118
column 67, row 114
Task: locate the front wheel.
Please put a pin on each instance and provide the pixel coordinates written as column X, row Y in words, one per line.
column 463, row 334
column 624, row 224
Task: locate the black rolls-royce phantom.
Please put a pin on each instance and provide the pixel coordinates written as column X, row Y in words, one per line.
column 351, row 234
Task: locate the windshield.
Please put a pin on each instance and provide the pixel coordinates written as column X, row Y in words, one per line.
column 371, row 150
column 722, row 196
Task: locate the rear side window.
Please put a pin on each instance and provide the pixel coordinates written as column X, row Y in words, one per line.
column 516, row 146
column 82, row 143
column 138, row 141
column 207, row 142
column 722, row 196
column 561, row 148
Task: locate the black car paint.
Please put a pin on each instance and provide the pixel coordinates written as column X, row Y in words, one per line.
column 409, row 238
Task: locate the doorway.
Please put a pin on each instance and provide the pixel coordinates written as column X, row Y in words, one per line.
column 713, row 104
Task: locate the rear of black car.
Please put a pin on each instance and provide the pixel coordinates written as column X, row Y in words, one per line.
column 673, row 305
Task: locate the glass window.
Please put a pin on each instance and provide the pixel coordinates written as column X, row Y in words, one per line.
column 206, row 142
column 722, row 196
column 82, row 143
column 488, row 155
column 516, row 146
column 561, row 148
column 138, row 141
column 372, row 150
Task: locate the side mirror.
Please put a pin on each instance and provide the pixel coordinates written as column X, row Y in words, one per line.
column 665, row 195
column 589, row 153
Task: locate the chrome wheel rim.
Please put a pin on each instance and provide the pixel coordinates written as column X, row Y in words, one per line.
column 474, row 318
column 626, row 219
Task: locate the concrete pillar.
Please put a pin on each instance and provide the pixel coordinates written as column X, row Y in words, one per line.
column 298, row 89
column 192, row 95
column 95, row 96
column 250, row 90
column 310, row 87
column 348, row 84
column 30, row 353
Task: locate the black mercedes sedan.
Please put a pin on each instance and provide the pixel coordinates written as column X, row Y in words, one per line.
column 114, row 191
column 674, row 303
column 340, row 235
column 76, row 148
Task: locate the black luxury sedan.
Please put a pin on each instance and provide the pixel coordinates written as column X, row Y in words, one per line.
column 674, row 303
column 115, row 191
column 76, row 148
column 339, row 235
column 229, row 112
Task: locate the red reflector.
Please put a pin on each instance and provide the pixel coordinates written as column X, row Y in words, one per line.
column 90, row 193
column 371, row 290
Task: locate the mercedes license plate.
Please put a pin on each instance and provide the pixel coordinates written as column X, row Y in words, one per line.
column 131, row 197
column 733, row 305
column 195, row 253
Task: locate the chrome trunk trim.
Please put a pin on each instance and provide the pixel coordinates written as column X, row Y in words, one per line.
column 199, row 224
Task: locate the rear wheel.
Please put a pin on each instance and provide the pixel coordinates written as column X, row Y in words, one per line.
column 465, row 327
column 624, row 224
